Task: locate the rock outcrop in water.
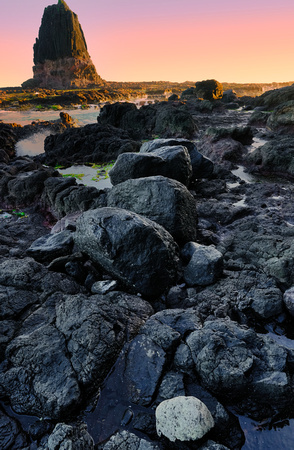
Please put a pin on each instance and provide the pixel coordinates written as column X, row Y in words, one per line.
column 61, row 57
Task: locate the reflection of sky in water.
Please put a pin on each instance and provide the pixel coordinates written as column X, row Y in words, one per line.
column 84, row 116
column 88, row 174
column 34, row 145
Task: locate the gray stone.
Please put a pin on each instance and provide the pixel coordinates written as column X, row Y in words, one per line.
column 41, row 380
column 73, row 437
column 125, row 440
column 183, row 419
column 102, row 287
column 230, row 358
column 204, row 267
column 95, row 329
column 134, row 249
column 51, row 246
column 171, row 161
column 144, row 365
column 172, row 385
column 161, row 199
column 288, row 299
column 202, row 167
column 211, row 445
column 282, row 118
column 160, row 333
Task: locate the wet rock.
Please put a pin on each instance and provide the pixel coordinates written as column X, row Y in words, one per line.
column 244, row 135
column 27, row 274
column 91, row 143
column 164, row 119
column 204, row 267
column 74, row 437
column 236, row 361
column 202, row 167
column 101, row 324
column 275, row 97
column 41, row 380
column 51, row 246
column 144, row 365
column 120, row 242
column 40, row 428
column 148, row 197
column 102, row 287
column 211, row 445
column 66, row 198
column 288, row 299
column 183, row 419
column 27, row 188
column 172, row 385
column 171, row 121
column 171, row 162
column 258, row 118
column 129, row 441
column 282, row 118
column 11, row 436
column 224, row 151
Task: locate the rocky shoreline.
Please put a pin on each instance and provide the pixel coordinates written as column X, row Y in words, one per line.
column 171, row 291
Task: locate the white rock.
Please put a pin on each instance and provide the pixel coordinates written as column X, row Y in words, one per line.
column 183, row 418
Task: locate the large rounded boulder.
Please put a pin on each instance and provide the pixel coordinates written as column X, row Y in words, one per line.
column 161, row 199
column 130, row 247
column 169, row 161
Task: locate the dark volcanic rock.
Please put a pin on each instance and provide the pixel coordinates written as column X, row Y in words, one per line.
column 282, row 118
column 171, row 162
column 148, row 196
column 274, row 157
column 233, row 360
column 61, row 57
column 136, row 250
column 91, row 143
column 271, row 99
column 165, row 119
column 209, row 89
column 202, row 167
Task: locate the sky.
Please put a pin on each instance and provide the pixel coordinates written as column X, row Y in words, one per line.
column 244, row 41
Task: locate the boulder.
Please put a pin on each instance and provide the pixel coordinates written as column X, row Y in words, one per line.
column 163, row 200
column 26, row 188
column 202, row 167
column 274, row 157
column 171, row 161
column 204, row 267
column 51, row 246
column 134, row 249
column 183, row 419
column 145, row 361
column 236, row 362
column 282, row 118
column 209, row 89
column 275, row 97
column 171, row 121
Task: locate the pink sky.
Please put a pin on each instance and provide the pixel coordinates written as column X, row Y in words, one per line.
column 172, row 40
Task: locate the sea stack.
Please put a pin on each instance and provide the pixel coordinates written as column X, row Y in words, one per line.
column 61, row 57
